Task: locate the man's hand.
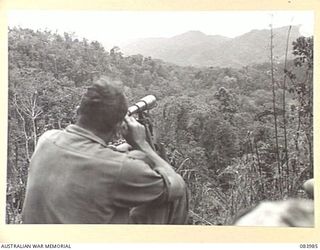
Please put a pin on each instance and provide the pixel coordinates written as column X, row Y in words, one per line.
column 134, row 132
column 124, row 147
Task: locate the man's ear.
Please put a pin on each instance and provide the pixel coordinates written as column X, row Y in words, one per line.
column 118, row 129
column 77, row 109
column 123, row 128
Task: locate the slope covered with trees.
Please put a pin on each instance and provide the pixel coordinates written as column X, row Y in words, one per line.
column 217, row 124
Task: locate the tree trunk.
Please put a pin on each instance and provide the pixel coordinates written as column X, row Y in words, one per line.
column 274, row 110
column 34, row 132
column 284, row 110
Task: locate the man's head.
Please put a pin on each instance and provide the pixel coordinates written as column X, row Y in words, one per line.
column 285, row 213
column 102, row 107
column 308, row 186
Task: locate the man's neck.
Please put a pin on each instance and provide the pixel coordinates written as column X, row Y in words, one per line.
column 106, row 137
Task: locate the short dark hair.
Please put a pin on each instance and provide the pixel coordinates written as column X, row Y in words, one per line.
column 102, row 106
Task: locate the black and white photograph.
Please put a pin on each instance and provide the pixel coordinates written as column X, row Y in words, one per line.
column 160, row 118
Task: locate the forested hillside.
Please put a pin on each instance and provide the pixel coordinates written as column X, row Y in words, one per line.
column 237, row 136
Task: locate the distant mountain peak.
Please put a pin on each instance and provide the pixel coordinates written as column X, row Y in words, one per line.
column 195, row 48
column 193, row 34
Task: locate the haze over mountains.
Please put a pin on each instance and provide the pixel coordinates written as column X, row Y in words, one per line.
column 195, row 48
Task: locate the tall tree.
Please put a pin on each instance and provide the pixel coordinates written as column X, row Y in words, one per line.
column 302, row 85
column 274, row 106
column 284, row 86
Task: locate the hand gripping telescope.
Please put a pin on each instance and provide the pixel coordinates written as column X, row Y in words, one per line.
column 146, row 103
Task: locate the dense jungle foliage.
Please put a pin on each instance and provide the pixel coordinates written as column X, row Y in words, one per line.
column 237, row 136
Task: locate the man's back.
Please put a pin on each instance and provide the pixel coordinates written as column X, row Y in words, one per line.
column 75, row 178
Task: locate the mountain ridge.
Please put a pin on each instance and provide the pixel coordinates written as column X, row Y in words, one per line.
column 195, row 48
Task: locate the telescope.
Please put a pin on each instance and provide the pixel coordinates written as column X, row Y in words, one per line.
column 146, row 103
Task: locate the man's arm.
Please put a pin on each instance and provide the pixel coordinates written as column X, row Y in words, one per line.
column 175, row 181
column 136, row 137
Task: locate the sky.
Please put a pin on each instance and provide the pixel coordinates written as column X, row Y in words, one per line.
column 118, row 28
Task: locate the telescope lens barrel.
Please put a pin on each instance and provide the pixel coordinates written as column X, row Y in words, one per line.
column 145, row 103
